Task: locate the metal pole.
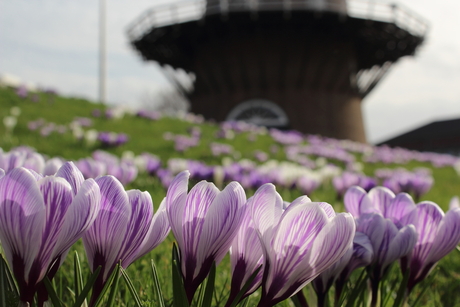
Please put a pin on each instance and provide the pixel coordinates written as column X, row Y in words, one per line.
column 102, row 51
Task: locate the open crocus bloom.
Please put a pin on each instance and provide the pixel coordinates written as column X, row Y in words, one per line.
column 299, row 243
column 41, row 218
column 204, row 223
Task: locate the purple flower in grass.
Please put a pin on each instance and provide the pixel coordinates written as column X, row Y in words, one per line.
column 438, row 234
column 40, row 219
column 124, row 230
column 246, row 256
column 389, row 242
column 204, row 222
column 299, row 243
column 376, row 214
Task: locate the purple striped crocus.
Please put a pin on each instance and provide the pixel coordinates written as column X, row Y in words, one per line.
column 40, row 219
column 376, row 213
column 204, row 223
column 124, row 230
column 438, row 234
column 299, row 243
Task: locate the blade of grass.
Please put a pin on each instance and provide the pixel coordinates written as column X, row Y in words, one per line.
column 84, row 293
column 11, row 284
column 360, row 285
column 209, row 290
column 52, row 293
column 156, row 286
column 78, row 279
column 106, row 287
column 114, row 287
column 180, row 297
column 3, row 283
column 425, row 287
column 131, row 288
column 402, row 291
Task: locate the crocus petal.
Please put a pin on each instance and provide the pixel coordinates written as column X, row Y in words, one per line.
column 58, row 196
column 111, row 222
column 426, row 218
column 246, row 255
column 175, row 204
column 400, row 208
column 72, row 174
column 454, row 202
column 159, row 229
column 36, row 175
column 333, row 241
column 302, row 263
column 357, row 202
column 196, row 207
column 22, row 216
column 381, row 198
column 363, row 253
column 447, row 237
column 138, row 225
column 292, row 241
column 324, row 281
column 400, row 245
column 222, row 221
column 35, row 161
column 267, row 208
column 2, row 173
column 374, row 227
column 79, row 216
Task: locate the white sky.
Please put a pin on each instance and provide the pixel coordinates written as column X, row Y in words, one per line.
column 54, row 43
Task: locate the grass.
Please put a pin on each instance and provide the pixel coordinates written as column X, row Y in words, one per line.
column 147, row 136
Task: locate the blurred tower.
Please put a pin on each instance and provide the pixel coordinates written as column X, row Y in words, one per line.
column 299, row 64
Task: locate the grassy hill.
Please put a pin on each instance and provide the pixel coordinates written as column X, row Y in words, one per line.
column 147, row 135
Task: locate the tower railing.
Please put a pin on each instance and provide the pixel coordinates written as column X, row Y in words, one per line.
column 189, row 10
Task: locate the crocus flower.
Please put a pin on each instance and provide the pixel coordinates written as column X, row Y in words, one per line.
column 438, row 234
column 40, row 219
column 390, row 240
column 204, row 223
column 124, row 230
column 299, row 243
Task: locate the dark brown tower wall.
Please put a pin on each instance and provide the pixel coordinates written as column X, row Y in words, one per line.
column 316, row 60
column 308, row 76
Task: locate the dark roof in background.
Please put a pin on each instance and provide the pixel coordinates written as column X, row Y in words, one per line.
column 439, row 136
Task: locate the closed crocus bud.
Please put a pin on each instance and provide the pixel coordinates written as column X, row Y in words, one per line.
column 124, row 230
column 389, row 242
column 438, row 234
column 204, row 222
column 40, row 219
